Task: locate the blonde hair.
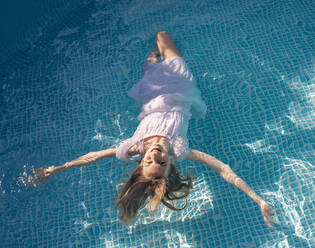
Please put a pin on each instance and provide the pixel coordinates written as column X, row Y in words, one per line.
column 135, row 192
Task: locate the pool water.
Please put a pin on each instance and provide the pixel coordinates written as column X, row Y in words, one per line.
column 65, row 69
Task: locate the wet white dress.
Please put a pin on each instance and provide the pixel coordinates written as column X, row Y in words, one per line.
column 169, row 97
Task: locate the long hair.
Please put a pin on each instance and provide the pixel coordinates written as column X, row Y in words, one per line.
column 135, row 192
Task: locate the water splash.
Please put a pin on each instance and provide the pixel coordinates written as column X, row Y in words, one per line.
column 297, row 180
column 302, row 112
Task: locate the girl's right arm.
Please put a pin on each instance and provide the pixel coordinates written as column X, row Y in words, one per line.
column 41, row 175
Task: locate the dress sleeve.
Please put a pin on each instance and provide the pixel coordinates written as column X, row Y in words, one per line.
column 122, row 150
column 180, row 148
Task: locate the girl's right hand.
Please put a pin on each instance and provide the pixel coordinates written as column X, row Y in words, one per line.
column 41, row 176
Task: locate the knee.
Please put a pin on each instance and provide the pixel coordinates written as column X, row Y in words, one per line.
column 161, row 34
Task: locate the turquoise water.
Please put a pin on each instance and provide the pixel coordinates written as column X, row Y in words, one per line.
column 65, row 69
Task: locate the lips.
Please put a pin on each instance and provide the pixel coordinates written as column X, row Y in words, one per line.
column 156, row 149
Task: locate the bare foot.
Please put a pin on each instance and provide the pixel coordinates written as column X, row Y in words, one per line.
column 153, row 57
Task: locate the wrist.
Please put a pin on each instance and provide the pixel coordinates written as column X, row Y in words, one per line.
column 60, row 168
column 259, row 201
column 256, row 198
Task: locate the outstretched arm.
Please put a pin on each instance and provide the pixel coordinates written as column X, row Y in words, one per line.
column 228, row 174
column 41, row 175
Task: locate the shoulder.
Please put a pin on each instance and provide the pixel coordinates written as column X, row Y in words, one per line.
column 180, row 148
column 133, row 150
column 123, row 148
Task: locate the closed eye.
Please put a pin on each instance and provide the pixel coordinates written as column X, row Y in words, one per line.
column 163, row 164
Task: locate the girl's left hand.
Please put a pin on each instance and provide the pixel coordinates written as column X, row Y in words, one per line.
column 266, row 212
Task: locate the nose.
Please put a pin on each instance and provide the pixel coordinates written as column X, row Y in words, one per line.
column 158, row 155
column 158, row 159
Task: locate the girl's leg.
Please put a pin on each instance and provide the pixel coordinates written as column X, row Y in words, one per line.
column 166, row 45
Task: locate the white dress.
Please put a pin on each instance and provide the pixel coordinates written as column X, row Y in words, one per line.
column 169, row 97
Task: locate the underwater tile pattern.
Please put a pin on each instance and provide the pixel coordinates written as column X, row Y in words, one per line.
column 65, row 69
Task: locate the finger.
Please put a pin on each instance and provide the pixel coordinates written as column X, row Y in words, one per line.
column 271, row 212
column 275, row 222
column 270, row 220
column 270, row 226
column 31, row 181
column 47, row 173
column 268, row 223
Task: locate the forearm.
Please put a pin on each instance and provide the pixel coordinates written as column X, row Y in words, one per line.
column 229, row 175
column 266, row 211
column 224, row 171
column 86, row 159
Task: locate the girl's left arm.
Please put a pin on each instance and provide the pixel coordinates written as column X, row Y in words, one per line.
column 228, row 174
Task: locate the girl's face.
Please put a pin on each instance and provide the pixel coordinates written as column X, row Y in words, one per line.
column 156, row 161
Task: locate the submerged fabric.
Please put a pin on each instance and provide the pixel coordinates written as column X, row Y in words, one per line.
column 169, row 97
column 168, row 86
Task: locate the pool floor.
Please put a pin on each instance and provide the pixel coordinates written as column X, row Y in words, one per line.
column 65, row 69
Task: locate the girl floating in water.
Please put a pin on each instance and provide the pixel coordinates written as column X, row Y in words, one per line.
column 169, row 98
